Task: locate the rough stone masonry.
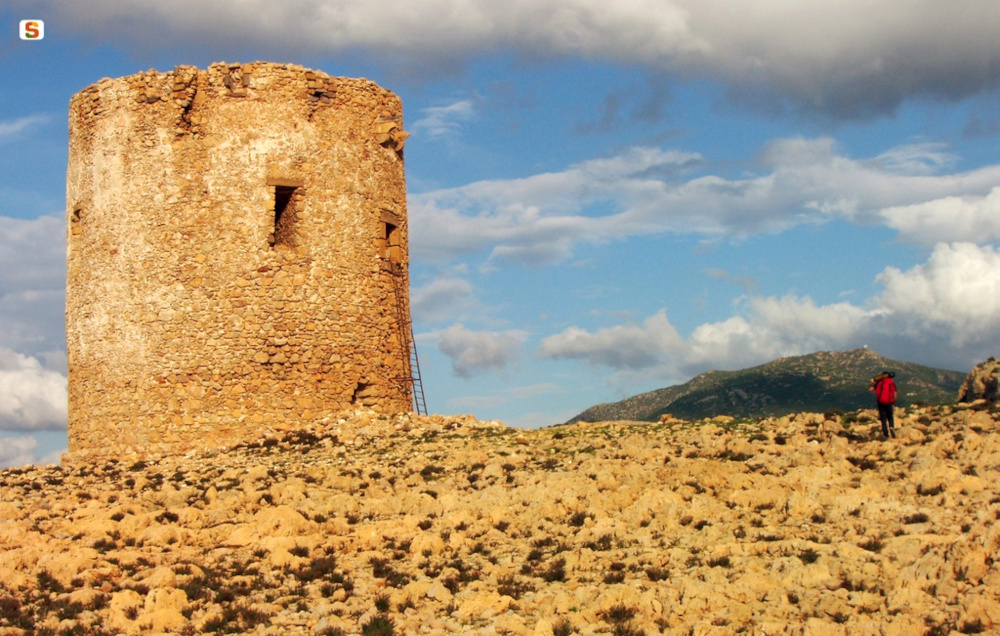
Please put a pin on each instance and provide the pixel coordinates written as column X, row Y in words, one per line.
column 237, row 258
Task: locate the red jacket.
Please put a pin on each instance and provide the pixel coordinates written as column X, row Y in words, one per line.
column 885, row 391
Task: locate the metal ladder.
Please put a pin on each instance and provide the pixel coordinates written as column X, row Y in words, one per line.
column 411, row 363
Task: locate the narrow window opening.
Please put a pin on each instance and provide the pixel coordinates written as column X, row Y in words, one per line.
column 285, row 199
column 390, row 248
column 74, row 221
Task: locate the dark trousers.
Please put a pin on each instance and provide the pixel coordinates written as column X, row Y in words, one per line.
column 888, row 420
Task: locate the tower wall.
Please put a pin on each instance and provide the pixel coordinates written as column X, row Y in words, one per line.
column 237, row 258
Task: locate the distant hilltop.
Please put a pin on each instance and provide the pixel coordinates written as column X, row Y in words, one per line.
column 811, row 383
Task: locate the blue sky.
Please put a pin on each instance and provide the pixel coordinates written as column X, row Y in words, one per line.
column 604, row 198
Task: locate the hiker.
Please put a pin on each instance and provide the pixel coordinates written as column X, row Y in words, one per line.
column 885, row 395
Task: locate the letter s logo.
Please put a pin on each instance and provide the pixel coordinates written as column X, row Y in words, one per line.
column 32, row 29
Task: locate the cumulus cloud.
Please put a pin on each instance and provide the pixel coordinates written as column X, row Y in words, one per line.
column 17, row 451
column 960, row 218
column 32, row 253
column 441, row 299
column 955, row 294
column 31, row 396
column 53, row 457
column 32, row 284
column 845, row 60
column 537, row 219
column 947, row 308
column 628, row 346
column 20, row 450
column 772, row 327
column 475, row 352
column 540, row 219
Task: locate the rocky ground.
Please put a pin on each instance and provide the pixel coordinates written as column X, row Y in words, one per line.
column 808, row 524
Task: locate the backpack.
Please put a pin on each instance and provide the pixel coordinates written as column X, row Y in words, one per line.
column 885, row 391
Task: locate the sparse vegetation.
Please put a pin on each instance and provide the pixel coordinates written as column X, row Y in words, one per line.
column 577, row 519
column 873, row 544
column 808, row 556
column 680, row 501
column 379, row 625
column 931, row 491
column 556, row 571
column 864, row 463
column 510, row 585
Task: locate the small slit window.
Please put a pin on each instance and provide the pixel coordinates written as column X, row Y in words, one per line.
column 389, row 246
column 75, row 221
column 285, row 211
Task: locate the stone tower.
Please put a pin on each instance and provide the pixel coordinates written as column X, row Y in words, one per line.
column 237, row 259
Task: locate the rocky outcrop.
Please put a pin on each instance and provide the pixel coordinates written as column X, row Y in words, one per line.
column 981, row 383
column 804, row 524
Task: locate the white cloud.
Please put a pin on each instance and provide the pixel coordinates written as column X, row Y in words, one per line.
column 773, row 327
column 31, row 396
column 847, row 59
column 539, row 220
column 33, row 322
column 955, row 295
column 17, row 451
column 10, row 128
column 628, row 346
column 32, row 284
column 32, row 253
column 947, row 309
column 954, row 218
column 444, row 121
column 475, row 352
column 441, row 299
column 53, row 457
column 23, row 449
column 917, row 159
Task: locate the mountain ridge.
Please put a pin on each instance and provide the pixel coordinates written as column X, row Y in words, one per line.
column 813, row 382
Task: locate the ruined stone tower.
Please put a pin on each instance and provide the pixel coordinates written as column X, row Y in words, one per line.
column 237, row 259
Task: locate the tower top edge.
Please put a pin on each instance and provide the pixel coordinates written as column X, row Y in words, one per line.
column 229, row 74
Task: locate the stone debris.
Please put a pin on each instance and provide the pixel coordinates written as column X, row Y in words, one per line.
column 982, row 383
column 375, row 524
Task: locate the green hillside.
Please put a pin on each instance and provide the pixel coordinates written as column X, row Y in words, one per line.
column 815, row 382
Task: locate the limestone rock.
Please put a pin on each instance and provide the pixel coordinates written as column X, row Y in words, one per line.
column 448, row 525
column 981, row 383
